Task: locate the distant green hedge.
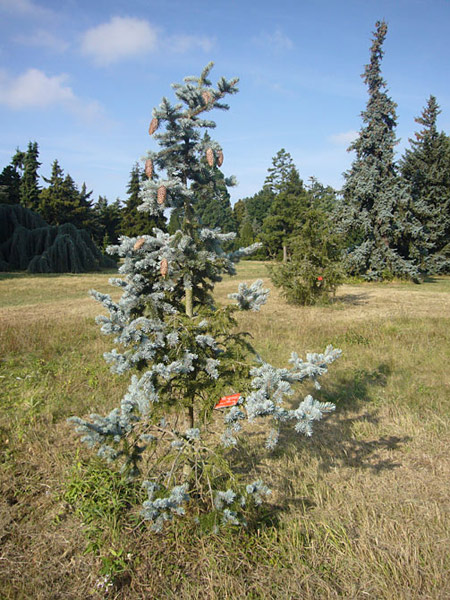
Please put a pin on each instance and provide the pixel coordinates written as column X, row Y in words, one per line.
column 28, row 243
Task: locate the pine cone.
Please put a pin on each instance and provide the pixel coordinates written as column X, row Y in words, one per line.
column 164, row 267
column 210, row 157
column 140, row 242
column 162, row 193
column 207, row 97
column 149, row 168
column 219, row 158
column 153, row 126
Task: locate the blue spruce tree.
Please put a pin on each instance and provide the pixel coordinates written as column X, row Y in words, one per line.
column 182, row 349
column 375, row 210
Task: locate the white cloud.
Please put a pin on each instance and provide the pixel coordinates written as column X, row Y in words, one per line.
column 34, row 89
column 121, row 37
column 276, row 40
column 43, row 39
column 184, row 43
column 343, row 139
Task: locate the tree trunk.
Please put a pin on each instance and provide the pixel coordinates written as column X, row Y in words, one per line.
column 190, row 313
column 189, row 302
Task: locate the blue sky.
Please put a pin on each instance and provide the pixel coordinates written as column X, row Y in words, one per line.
column 81, row 78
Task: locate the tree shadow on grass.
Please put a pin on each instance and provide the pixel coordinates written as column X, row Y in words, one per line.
column 345, row 439
column 341, row 441
column 351, row 299
column 430, row 279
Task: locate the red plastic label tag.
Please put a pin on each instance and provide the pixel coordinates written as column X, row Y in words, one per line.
column 228, row 401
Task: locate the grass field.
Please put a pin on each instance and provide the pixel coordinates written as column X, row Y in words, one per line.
column 360, row 510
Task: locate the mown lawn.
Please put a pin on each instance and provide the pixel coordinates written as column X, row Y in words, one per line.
column 360, row 510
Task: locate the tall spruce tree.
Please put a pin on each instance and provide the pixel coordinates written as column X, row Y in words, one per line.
column 182, row 348
column 426, row 167
column 29, row 184
column 376, row 203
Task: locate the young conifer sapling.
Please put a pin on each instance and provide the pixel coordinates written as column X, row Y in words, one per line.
column 182, row 349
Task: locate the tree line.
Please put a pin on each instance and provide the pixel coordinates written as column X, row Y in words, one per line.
column 62, row 201
column 391, row 219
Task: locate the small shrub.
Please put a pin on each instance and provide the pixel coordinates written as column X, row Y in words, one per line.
column 314, row 270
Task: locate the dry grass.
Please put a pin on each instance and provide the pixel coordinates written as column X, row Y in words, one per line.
column 360, row 510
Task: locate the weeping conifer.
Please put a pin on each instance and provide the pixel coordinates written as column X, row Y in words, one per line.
column 27, row 242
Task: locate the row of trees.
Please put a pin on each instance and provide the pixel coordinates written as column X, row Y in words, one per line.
column 275, row 214
column 393, row 218
column 61, row 201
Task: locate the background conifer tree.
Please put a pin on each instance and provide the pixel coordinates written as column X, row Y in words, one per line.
column 108, row 221
column 10, row 185
column 29, row 186
column 52, row 202
column 86, row 216
column 212, row 204
column 135, row 222
column 257, row 208
column 247, row 234
column 250, row 213
column 426, row 167
column 285, row 214
column 322, row 197
column 280, row 172
column 60, row 201
column 376, row 203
